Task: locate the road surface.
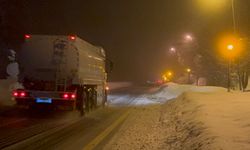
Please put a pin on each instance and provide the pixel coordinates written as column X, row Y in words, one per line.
column 50, row 129
column 138, row 117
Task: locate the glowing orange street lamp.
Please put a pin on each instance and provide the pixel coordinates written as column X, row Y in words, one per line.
column 230, row 47
column 165, row 79
column 167, row 76
column 170, row 74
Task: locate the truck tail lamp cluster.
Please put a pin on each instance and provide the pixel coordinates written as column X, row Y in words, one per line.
column 27, row 36
column 20, row 93
column 68, row 95
column 72, row 37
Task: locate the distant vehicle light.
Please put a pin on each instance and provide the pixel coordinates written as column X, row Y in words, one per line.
column 107, row 88
column 72, row 37
column 27, row 36
column 159, row 81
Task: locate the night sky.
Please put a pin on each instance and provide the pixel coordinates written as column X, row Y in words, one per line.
column 136, row 34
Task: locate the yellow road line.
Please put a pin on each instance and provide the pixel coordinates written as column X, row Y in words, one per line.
column 105, row 133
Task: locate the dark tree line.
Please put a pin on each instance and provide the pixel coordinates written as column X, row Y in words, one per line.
column 206, row 62
column 12, row 23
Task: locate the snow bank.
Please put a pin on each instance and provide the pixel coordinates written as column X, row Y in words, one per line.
column 165, row 93
column 206, row 118
column 171, row 126
column 224, row 118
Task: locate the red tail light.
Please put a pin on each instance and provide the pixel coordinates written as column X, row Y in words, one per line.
column 72, row 37
column 73, row 96
column 65, row 96
column 68, row 96
column 23, row 94
column 15, row 94
column 20, row 93
column 27, row 36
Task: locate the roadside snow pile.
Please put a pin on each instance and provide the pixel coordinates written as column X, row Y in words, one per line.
column 207, row 89
column 224, row 118
column 207, row 119
column 174, row 90
column 165, row 93
column 128, row 100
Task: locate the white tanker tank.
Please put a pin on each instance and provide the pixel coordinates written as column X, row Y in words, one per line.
column 60, row 69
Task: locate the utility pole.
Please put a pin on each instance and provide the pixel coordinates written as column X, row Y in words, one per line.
column 228, row 76
column 234, row 17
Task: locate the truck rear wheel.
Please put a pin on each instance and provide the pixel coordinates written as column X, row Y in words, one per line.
column 93, row 98
column 80, row 100
column 105, row 98
column 87, row 99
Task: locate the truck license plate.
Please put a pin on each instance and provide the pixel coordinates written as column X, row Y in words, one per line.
column 44, row 100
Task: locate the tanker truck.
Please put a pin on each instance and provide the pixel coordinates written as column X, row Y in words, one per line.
column 61, row 71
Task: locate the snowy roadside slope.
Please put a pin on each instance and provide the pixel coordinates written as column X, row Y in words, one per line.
column 165, row 93
column 174, row 90
column 178, row 124
column 224, row 117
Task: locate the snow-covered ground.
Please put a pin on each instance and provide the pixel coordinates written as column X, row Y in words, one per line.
column 224, row 117
column 117, row 85
column 206, row 118
column 167, row 92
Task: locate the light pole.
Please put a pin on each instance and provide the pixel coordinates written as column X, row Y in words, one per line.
column 233, row 14
column 188, row 72
column 230, row 48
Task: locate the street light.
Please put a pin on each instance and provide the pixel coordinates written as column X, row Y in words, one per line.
column 189, row 73
column 188, row 37
column 170, row 74
column 165, row 79
column 172, row 50
column 230, row 47
column 167, row 76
